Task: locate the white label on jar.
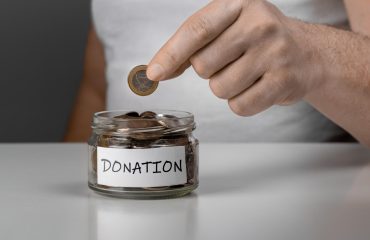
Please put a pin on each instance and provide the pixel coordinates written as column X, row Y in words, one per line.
column 149, row 167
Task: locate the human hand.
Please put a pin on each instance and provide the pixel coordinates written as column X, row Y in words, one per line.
column 252, row 54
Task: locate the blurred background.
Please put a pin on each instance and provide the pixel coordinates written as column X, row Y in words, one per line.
column 41, row 57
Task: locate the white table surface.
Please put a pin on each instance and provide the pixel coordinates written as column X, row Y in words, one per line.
column 247, row 191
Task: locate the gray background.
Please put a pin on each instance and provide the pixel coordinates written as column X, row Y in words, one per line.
column 41, row 57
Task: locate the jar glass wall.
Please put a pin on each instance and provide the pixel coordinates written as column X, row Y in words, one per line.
column 148, row 155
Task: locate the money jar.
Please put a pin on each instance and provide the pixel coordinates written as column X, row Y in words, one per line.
column 143, row 155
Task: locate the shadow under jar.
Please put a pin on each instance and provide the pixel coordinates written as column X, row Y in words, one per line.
column 143, row 156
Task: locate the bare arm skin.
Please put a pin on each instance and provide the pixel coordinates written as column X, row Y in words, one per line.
column 91, row 95
column 255, row 57
column 345, row 96
column 359, row 16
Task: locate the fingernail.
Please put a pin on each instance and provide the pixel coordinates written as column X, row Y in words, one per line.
column 154, row 72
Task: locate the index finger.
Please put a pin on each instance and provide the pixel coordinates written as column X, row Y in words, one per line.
column 196, row 32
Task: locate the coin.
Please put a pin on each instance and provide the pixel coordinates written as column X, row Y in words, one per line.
column 148, row 114
column 134, row 120
column 168, row 121
column 127, row 115
column 139, row 82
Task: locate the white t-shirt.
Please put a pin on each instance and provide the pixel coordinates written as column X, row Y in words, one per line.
column 133, row 30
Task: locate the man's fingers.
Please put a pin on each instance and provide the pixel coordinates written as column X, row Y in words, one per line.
column 196, row 32
column 259, row 97
column 226, row 48
column 238, row 76
column 180, row 70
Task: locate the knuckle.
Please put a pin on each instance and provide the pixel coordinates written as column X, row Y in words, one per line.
column 255, row 101
column 270, row 27
column 171, row 57
column 266, row 27
column 260, row 3
column 288, row 80
column 281, row 84
column 282, row 47
column 217, row 88
column 201, row 28
column 237, row 108
column 267, row 8
column 260, row 99
column 287, row 101
column 201, row 67
column 280, row 81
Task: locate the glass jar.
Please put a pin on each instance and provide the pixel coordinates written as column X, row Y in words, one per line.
column 149, row 155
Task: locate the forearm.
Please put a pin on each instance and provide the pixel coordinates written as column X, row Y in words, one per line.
column 91, row 95
column 87, row 103
column 343, row 94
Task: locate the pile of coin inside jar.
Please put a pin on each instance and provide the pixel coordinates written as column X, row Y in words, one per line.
column 131, row 131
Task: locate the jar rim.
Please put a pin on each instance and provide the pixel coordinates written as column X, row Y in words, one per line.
column 113, row 113
column 105, row 121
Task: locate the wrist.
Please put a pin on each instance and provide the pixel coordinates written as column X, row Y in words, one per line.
column 312, row 38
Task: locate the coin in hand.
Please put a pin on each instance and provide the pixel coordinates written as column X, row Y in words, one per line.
column 139, row 82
